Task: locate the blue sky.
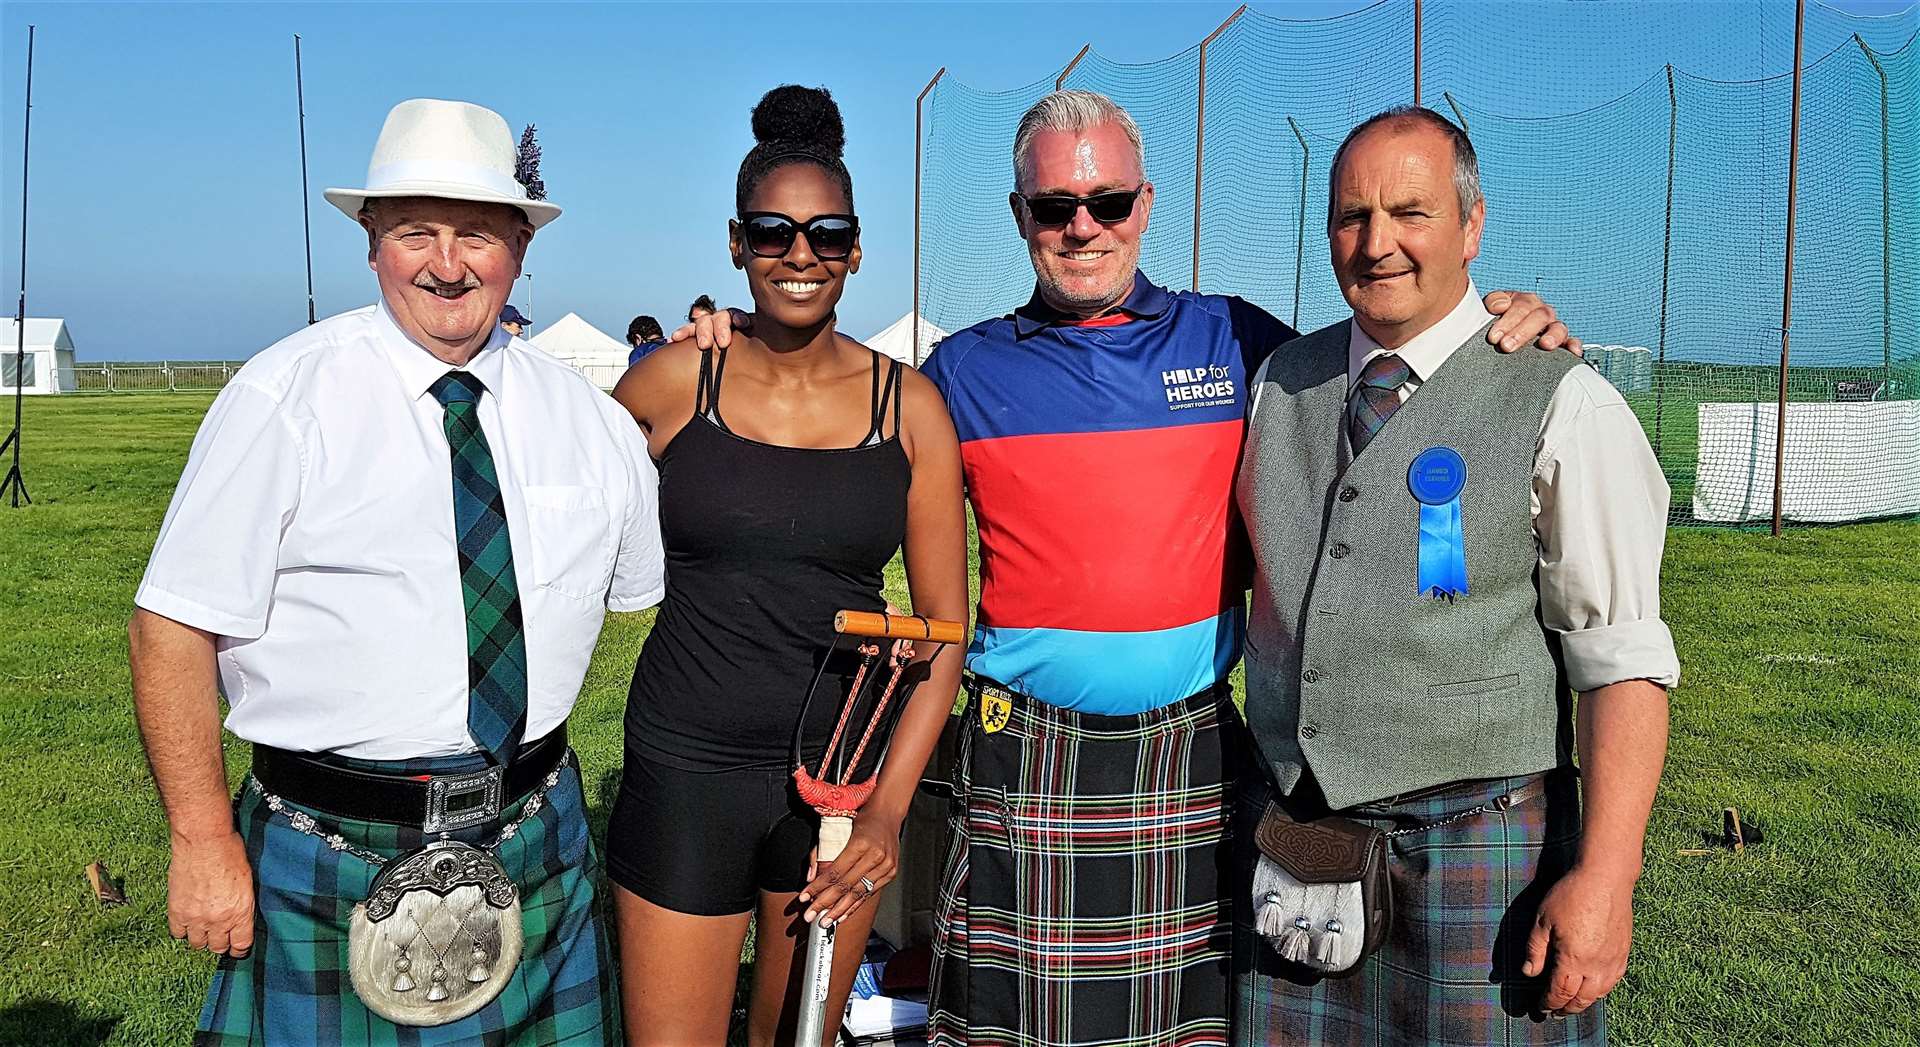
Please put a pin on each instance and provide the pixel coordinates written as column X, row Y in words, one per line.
column 165, row 218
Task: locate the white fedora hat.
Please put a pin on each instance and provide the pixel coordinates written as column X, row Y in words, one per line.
column 448, row 150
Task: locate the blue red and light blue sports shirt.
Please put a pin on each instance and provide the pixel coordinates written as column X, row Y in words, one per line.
column 1099, row 458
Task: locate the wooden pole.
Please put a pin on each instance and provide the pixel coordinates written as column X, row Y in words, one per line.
column 1886, row 222
column 1416, row 52
column 1200, row 137
column 1300, row 232
column 1666, row 268
column 917, row 147
column 1786, row 294
column 1060, row 82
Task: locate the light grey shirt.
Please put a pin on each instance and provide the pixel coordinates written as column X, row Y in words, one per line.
column 1599, row 510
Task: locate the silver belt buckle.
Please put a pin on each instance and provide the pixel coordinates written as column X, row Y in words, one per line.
column 456, row 801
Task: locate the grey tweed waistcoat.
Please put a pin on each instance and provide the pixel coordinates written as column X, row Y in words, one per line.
column 1352, row 673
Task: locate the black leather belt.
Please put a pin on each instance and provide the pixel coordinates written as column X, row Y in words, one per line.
column 436, row 803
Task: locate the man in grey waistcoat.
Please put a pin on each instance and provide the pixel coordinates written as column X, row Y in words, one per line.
column 1482, row 542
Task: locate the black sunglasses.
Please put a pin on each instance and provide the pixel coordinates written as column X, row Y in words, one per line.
column 1059, row 209
column 770, row 234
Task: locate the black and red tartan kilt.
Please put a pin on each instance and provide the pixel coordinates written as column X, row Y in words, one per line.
column 1082, row 902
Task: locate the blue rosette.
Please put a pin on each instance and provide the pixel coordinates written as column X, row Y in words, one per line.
column 1436, row 479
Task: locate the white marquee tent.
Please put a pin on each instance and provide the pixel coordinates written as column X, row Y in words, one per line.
column 897, row 340
column 48, row 366
column 577, row 342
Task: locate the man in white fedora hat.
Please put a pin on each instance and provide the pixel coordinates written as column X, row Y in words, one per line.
column 392, row 549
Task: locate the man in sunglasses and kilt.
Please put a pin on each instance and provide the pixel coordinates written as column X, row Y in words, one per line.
column 1100, row 427
column 392, row 549
column 1450, row 547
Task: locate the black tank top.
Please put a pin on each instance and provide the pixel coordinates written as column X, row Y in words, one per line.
column 764, row 543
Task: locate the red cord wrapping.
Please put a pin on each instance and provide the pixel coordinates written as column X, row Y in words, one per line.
column 845, row 797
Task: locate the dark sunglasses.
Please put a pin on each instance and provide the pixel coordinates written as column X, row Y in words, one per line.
column 770, row 234
column 1106, row 208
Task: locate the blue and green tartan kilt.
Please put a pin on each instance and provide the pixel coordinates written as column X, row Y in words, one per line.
column 1465, row 897
column 293, row 987
column 1082, row 898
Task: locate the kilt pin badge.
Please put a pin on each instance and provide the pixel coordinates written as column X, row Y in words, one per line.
column 994, row 710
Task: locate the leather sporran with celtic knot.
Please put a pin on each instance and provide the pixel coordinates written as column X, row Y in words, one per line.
column 1321, row 895
column 438, row 936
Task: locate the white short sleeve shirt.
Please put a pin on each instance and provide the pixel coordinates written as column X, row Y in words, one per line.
column 312, row 533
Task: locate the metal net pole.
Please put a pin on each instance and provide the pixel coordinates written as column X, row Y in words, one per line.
column 15, row 485
column 918, row 146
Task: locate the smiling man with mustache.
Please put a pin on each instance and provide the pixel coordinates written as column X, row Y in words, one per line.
column 392, row 548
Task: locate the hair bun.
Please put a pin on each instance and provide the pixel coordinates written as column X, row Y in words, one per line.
column 800, row 116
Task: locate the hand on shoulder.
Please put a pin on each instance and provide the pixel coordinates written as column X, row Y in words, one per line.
column 661, row 383
column 924, row 420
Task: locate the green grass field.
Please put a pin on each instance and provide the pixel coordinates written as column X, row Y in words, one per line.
column 1800, row 705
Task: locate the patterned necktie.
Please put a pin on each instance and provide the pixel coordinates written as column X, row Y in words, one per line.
column 1375, row 398
column 496, row 640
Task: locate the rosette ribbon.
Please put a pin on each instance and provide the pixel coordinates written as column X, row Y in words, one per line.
column 1436, row 478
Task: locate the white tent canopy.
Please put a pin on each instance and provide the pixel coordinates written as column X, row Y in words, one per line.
column 577, row 342
column 48, row 367
column 897, row 340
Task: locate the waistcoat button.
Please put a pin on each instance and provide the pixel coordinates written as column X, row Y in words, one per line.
column 1348, row 494
column 1339, row 550
column 1311, row 675
column 1309, row 730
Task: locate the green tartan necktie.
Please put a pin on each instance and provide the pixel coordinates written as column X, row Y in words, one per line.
column 496, row 639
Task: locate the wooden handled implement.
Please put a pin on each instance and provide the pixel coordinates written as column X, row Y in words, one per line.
column 835, row 791
column 898, row 627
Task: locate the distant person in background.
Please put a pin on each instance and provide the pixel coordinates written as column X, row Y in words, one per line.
column 515, row 322
column 702, row 306
column 643, row 337
column 383, row 551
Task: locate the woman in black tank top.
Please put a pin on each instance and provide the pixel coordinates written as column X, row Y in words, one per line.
column 792, row 467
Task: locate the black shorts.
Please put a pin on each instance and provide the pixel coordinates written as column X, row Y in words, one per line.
column 707, row 843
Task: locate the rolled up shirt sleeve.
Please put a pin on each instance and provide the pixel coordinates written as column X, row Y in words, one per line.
column 639, row 569
column 1600, row 516
column 218, row 554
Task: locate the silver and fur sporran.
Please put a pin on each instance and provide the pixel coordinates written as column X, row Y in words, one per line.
column 438, row 937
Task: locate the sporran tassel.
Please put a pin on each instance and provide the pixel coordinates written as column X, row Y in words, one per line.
column 477, row 969
column 438, row 990
column 1293, row 947
column 1271, row 921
